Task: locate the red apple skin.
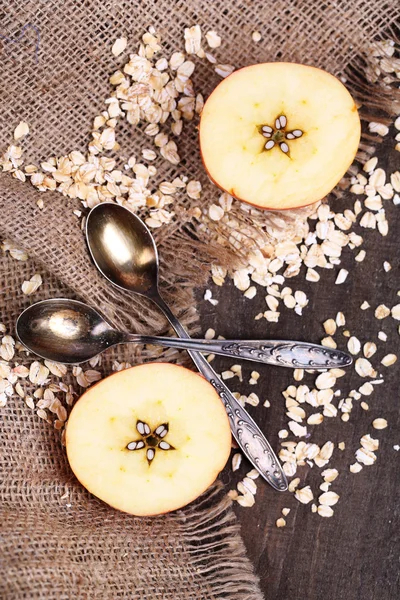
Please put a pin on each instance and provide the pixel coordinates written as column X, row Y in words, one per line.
column 232, row 192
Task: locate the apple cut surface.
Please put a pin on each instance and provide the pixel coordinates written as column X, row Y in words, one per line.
column 279, row 135
column 149, row 439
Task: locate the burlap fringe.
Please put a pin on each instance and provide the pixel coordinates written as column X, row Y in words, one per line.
column 212, row 538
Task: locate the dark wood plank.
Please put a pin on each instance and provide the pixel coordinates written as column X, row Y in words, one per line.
column 355, row 554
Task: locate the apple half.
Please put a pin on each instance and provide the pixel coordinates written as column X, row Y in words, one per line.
column 279, row 135
column 149, row 439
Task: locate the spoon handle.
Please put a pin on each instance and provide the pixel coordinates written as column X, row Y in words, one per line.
column 250, row 438
column 295, row 355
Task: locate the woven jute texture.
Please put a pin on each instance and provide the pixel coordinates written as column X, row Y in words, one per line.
column 55, row 63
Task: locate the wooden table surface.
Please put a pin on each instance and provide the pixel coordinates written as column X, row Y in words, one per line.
column 355, row 554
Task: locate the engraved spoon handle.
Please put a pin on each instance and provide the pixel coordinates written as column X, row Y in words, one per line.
column 295, row 355
column 250, row 438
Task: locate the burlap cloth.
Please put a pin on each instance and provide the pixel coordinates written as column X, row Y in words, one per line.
column 55, row 63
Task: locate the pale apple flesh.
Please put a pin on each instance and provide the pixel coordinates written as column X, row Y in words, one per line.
column 306, row 167
column 175, row 466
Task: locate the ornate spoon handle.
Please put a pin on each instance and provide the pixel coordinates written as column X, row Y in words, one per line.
column 295, row 355
column 247, row 434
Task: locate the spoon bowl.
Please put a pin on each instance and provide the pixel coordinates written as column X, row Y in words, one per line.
column 123, row 248
column 63, row 330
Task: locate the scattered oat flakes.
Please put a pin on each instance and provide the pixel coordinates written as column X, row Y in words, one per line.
column 360, row 256
column 289, row 468
column 298, row 374
column 325, row 381
column 294, row 484
column 227, row 375
column 330, row 326
column 280, row 522
column 388, row 360
column 210, row 334
column 328, row 498
column 250, row 292
column 213, row 39
column 253, row 474
column 382, row 312
column 253, row 399
column 224, row 70
column 395, row 312
column 315, row 419
column 364, row 368
column 366, row 457
column 354, row 345
column 38, row 373
column 236, row 461
column 192, row 39
column 31, row 286
column 304, row 495
column 193, row 189
column 324, row 510
column 246, row 500
column 296, row 429
column 355, row 468
column 119, row 46
column 330, row 475
column 366, row 389
column 378, row 128
column 215, row 212
column 342, row 276
column 312, row 275
column 371, row 164
column 369, row 349
column 340, row 319
column 379, row 423
column 369, row 443
column 387, row 266
column 21, row 130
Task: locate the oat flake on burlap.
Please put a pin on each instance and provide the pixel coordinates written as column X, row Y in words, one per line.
column 58, row 542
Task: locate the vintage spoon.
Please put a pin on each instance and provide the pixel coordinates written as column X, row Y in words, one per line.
column 124, row 251
column 71, row 332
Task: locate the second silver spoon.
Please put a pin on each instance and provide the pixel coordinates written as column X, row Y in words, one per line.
column 71, row 332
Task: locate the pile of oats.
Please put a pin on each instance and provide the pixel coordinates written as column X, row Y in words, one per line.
column 149, row 89
column 158, row 92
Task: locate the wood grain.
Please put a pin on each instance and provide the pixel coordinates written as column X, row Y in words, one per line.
column 355, row 554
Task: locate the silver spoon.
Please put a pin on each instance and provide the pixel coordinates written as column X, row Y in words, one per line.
column 124, row 251
column 71, row 332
